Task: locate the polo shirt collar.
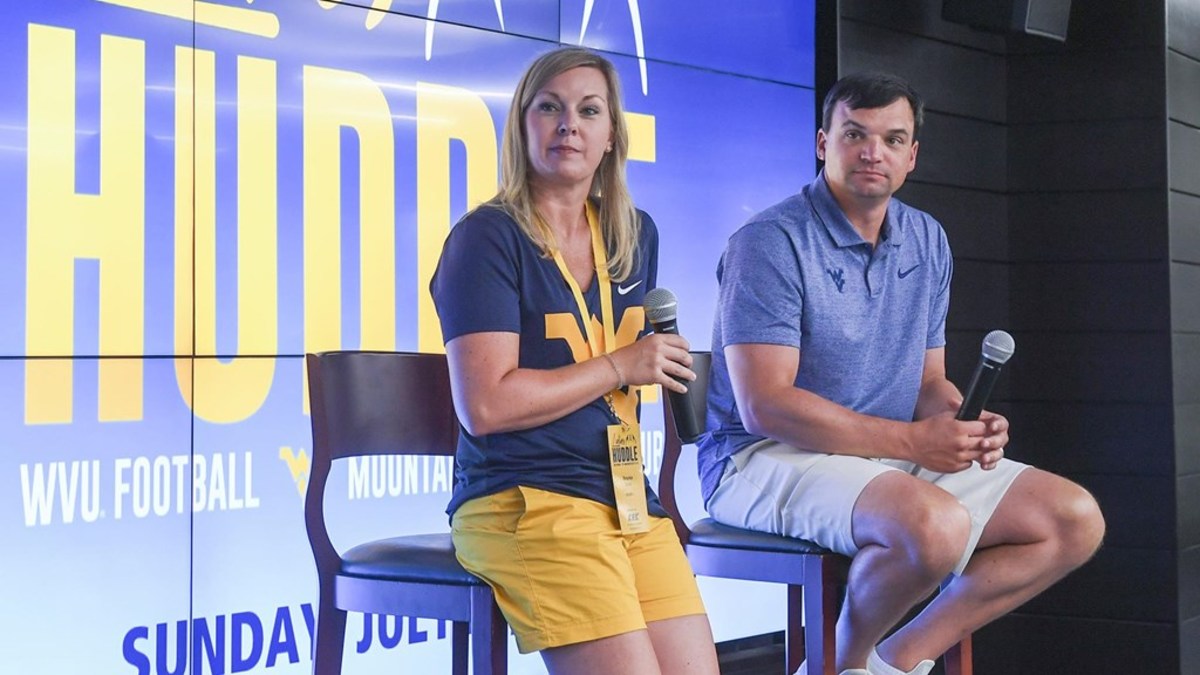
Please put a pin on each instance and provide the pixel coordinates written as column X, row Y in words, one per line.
column 838, row 225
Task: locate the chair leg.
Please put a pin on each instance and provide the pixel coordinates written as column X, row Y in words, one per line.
column 460, row 648
column 329, row 640
column 489, row 634
column 958, row 659
column 794, row 637
column 821, row 589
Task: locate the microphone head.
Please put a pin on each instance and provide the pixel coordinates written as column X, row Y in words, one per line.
column 998, row 346
column 661, row 305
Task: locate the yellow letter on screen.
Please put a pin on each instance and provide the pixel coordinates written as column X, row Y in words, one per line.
column 444, row 114
column 642, row 137
column 232, row 391
column 64, row 226
column 334, row 99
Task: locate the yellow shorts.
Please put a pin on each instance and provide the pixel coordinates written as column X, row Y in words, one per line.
column 563, row 573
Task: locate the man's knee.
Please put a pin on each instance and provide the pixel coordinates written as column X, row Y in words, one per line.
column 932, row 534
column 1079, row 524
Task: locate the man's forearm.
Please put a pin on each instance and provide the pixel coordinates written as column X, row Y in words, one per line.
column 803, row 419
column 937, row 396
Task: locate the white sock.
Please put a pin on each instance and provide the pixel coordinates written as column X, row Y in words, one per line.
column 877, row 666
column 852, row 671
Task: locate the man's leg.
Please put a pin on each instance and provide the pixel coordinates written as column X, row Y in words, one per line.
column 1044, row 527
column 910, row 535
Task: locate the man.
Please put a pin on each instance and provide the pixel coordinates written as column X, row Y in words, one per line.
column 831, row 418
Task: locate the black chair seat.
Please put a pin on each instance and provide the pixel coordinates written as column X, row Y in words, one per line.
column 708, row 532
column 421, row 557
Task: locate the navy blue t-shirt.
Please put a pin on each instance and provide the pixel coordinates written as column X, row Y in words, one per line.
column 491, row 278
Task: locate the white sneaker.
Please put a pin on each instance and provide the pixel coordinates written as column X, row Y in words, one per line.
column 877, row 666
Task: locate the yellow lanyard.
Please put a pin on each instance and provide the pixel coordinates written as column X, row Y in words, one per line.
column 600, row 256
column 624, row 438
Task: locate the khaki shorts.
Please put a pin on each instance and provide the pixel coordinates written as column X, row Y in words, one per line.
column 773, row 487
column 562, row 571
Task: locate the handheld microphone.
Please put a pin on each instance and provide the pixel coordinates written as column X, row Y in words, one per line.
column 661, row 307
column 998, row 347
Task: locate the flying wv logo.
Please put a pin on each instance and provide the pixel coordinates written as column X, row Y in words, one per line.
column 836, row 275
column 298, row 465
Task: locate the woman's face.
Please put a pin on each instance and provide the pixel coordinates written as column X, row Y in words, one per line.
column 569, row 127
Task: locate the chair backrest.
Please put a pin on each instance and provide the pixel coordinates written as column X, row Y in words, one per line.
column 372, row 403
column 379, row 403
column 673, row 444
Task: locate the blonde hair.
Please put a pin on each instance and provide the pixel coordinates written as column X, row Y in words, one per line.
column 619, row 221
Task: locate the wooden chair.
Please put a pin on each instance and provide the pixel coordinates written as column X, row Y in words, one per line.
column 815, row 577
column 377, row 403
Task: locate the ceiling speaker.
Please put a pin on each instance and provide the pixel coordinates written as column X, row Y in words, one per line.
column 1046, row 18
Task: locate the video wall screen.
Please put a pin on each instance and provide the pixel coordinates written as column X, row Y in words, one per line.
column 195, row 194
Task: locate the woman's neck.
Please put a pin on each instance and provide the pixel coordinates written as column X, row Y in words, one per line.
column 564, row 211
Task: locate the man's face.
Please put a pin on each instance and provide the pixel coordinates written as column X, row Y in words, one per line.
column 868, row 152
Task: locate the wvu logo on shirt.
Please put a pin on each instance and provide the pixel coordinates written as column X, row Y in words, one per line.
column 563, row 326
column 837, row 277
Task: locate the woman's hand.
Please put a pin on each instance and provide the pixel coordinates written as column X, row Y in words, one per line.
column 658, row 358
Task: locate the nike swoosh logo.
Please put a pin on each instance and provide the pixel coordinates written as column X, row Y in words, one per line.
column 904, row 273
column 622, row 290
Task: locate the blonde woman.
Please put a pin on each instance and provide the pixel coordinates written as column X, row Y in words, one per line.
column 539, row 293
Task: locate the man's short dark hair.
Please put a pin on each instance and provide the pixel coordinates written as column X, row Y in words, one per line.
column 872, row 90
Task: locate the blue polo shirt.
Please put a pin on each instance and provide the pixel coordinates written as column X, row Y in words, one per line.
column 799, row 275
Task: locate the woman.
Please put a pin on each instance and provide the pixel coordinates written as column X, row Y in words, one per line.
column 550, row 506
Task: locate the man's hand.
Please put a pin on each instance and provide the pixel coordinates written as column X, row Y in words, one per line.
column 946, row 445
column 994, row 440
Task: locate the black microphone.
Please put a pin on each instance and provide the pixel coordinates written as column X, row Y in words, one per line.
column 998, row 347
column 661, row 306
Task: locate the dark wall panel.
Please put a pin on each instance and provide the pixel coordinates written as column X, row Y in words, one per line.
column 1107, row 438
column 1189, row 646
column 1107, row 296
column 978, row 296
column 1189, row 582
column 1095, row 367
column 1188, row 508
column 962, row 152
column 1183, row 26
column 1106, row 225
column 1185, row 300
column 1186, row 354
column 1070, row 156
column 1116, row 84
column 1122, row 584
column 1185, row 227
column 1187, row 438
column 953, row 79
column 1183, row 95
column 1139, row 511
column 921, row 18
column 1023, row 644
column 976, row 221
column 1185, row 151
